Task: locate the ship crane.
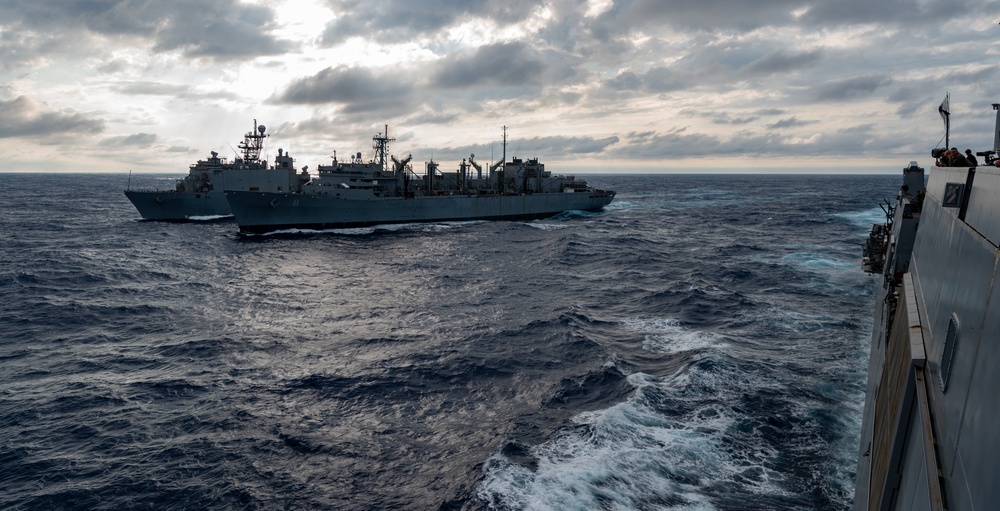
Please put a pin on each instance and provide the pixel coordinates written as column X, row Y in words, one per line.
column 400, row 166
column 500, row 175
column 478, row 167
column 400, row 171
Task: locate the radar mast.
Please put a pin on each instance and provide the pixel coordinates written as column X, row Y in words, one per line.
column 381, row 147
column 253, row 143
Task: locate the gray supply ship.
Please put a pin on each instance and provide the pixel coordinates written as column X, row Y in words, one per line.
column 358, row 193
column 930, row 437
column 199, row 195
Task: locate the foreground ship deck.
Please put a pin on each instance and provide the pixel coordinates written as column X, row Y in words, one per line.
column 357, row 193
column 929, row 439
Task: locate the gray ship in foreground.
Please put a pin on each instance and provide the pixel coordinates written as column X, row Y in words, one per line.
column 199, row 195
column 930, row 437
column 357, row 193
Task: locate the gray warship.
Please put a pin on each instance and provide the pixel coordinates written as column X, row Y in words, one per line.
column 357, row 193
column 199, row 195
column 929, row 437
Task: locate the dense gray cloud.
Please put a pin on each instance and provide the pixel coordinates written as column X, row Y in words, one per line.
column 151, row 88
column 229, row 31
column 506, row 70
column 658, row 79
column 509, row 64
column 113, row 66
column 885, row 11
column 21, row 49
column 851, row 88
column 355, row 89
column 217, row 29
column 546, row 148
column 730, row 15
column 397, row 21
column 625, row 80
column 24, row 117
column 664, row 146
column 714, row 65
column 135, row 140
column 782, row 61
column 790, row 122
column 853, row 140
column 433, row 117
column 175, row 91
column 667, row 145
column 730, row 118
column 705, row 15
column 726, row 118
column 558, row 146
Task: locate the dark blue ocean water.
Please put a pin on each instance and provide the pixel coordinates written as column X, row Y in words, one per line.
column 701, row 344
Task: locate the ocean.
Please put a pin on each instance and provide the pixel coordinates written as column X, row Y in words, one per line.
column 700, row 344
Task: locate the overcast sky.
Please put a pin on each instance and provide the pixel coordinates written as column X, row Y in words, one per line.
column 598, row 85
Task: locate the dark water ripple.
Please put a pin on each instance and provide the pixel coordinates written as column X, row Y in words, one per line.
column 701, row 344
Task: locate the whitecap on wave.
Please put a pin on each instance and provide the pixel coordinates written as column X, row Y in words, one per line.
column 575, row 213
column 546, row 226
column 635, row 456
column 668, row 335
column 817, row 261
column 863, row 219
column 624, row 204
column 361, row 231
column 208, row 218
column 713, row 435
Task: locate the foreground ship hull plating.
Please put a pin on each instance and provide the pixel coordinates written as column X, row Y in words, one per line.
column 929, row 438
column 171, row 205
column 257, row 212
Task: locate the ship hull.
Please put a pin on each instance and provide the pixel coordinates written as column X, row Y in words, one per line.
column 928, row 435
column 257, row 212
column 179, row 206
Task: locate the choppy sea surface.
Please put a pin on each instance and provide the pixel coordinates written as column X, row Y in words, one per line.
column 700, row 344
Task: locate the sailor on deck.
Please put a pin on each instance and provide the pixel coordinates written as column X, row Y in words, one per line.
column 973, row 162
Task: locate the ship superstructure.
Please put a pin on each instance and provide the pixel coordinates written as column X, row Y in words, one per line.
column 357, row 193
column 929, row 438
column 200, row 194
